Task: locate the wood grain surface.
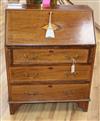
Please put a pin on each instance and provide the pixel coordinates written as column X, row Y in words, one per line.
column 50, row 74
column 70, row 22
column 31, row 56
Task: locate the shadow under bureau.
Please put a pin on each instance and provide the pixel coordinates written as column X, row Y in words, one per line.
column 41, row 69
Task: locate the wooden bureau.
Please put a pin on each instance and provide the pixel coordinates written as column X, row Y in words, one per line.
column 40, row 69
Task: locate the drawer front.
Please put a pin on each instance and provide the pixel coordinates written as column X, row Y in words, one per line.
column 49, row 92
column 43, row 56
column 49, row 73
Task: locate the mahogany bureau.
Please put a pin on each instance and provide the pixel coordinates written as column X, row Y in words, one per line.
column 41, row 69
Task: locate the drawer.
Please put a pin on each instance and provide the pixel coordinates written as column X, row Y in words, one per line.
column 49, row 73
column 47, row 56
column 49, row 92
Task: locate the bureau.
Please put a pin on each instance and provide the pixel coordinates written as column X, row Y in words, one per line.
column 41, row 69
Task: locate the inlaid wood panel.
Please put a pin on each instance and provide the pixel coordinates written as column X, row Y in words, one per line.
column 50, row 92
column 49, row 73
column 26, row 27
column 48, row 56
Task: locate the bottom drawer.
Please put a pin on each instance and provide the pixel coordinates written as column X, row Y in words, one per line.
column 49, row 92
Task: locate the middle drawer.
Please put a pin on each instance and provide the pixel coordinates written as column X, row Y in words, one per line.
column 49, row 73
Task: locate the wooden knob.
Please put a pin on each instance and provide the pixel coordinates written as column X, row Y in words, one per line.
column 50, row 86
column 51, row 51
column 50, row 67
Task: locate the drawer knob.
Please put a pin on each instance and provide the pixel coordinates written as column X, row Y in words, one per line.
column 73, row 66
column 50, row 86
column 50, row 68
column 51, row 51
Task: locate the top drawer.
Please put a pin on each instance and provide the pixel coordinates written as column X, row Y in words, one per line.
column 30, row 56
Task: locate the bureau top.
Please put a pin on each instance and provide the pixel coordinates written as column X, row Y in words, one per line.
column 25, row 26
